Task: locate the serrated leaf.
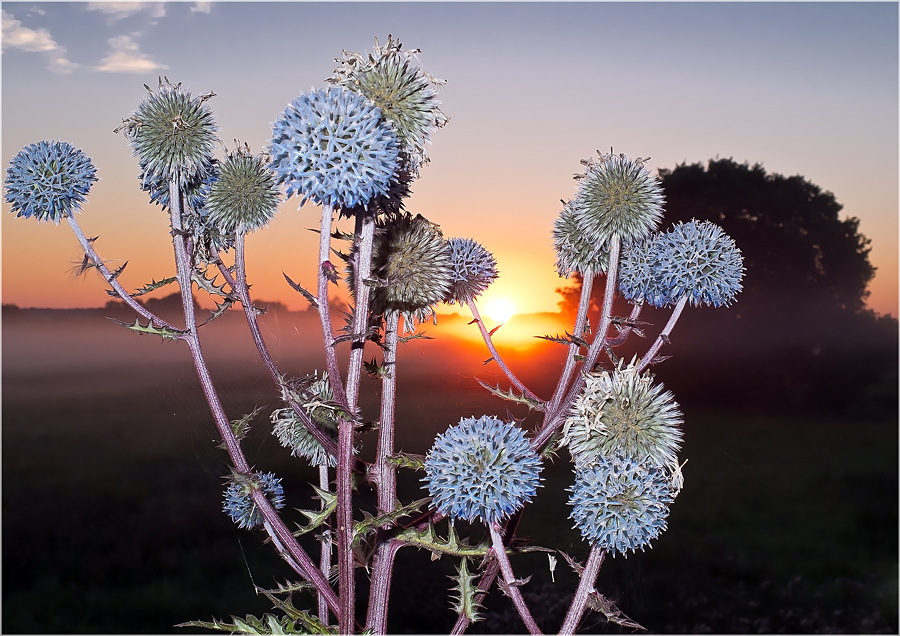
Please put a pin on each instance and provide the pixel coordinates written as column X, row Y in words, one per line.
column 466, row 590
column 218, row 311
column 370, row 523
column 407, row 460
column 512, row 396
column 114, row 275
column 164, row 332
column 420, row 335
column 317, row 517
column 375, row 370
column 154, row 285
column 568, row 339
column 209, row 285
column 613, row 614
column 307, row 295
column 575, row 565
column 330, row 271
column 241, row 426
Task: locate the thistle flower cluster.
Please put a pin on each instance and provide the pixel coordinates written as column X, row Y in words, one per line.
column 474, row 268
column 48, row 180
column 172, row 134
column 239, row 497
column 333, row 146
column 292, row 433
column 406, row 95
column 696, row 260
column 574, row 251
column 617, row 196
column 244, row 195
column 482, row 468
column 621, row 503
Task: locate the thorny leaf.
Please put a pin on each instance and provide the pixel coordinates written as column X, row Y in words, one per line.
column 488, row 361
column 307, row 295
column 466, row 590
column 504, row 586
column 240, row 427
column 420, row 335
column 428, row 539
column 658, row 359
column 154, row 285
column 209, row 285
column 408, row 460
column 218, row 311
column 575, row 565
column 613, row 614
column 250, row 624
column 512, row 396
column 317, row 517
column 164, row 332
column 491, row 332
column 114, row 275
column 568, row 339
column 370, row 524
column 330, row 272
column 375, row 370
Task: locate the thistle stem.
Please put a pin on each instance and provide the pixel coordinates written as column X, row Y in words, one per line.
column 499, row 360
column 587, row 284
column 331, row 364
column 510, row 579
column 585, row 587
column 663, row 337
column 324, row 548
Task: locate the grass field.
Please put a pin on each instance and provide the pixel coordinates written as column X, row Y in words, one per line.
column 112, row 491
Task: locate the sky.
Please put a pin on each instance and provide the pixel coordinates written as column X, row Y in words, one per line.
column 805, row 89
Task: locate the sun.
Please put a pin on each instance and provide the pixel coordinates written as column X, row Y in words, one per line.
column 500, row 310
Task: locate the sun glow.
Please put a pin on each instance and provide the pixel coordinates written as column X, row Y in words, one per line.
column 500, row 310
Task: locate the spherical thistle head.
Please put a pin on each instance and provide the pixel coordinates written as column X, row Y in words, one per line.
column 292, row 432
column 617, row 196
column 639, row 272
column 620, row 503
column 482, row 468
column 574, row 251
column 473, row 270
column 623, row 411
column 406, row 95
column 700, row 261
column 239, row 497
column 333, row 146
column 411, row 264
column 48, row 180
column 244, row 195
column 172, row 133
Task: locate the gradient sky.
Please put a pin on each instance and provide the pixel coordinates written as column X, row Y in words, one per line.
column 802, row 88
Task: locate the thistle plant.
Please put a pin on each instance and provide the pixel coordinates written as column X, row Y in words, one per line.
column 354, row 148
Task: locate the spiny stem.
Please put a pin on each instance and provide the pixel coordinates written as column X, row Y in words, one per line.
column 510, row 579
column 585, row 587
column 587, row 284
column 663, row 337
column 331, row 364
column 324, row 548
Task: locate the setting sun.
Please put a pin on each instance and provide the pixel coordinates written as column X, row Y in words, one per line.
column 500, row 310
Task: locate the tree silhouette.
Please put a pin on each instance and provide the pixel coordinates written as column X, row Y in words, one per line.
column 799, row 334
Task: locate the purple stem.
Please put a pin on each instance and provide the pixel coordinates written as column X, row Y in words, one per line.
column 663, row 337
column 324, row 548
column 585, row 587
column 510, row 579
column 331, row 364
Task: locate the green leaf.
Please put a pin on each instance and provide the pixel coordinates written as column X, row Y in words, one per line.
column 164, row 332
column 466, row 590
column 209, row 285
column 218, row 311
column 408, row 460
column 154, row 285
column 240, row 427
column 375, row 370
column 318, row 517
column 370, row 524
column 512, row 396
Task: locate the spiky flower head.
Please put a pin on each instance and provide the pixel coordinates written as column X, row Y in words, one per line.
column 244, row 195
column 473, row 270
column 623, row 411
column 406, row 95
column 639, row 272
column 617, row 196
column 317, row 400
column 574, row 252
column 48, row 180
column 239, row 497
column 334, row 147
column 482, row 468
column 700, row 261
column 172, row 133
column 411, row 264
column 621, row 503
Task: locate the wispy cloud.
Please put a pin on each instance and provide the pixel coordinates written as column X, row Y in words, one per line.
column 202, row 7
column 126, row 57
column 36, row 10
column 17, row 36
column 119, row 10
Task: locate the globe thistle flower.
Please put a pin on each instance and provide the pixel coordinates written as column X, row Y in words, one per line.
column 48, row 180
column 639, row 273
column 292, row 432
column 701, row 262
column 244, row 195
column 406, row 95
column 333, row 146
column 574, row 252
column 617, row 196
column 239, row 497
column 620, row 503
column 623, row 411
column 482, row 468
column 172, row 134
column 195, row 189
column 473, row 270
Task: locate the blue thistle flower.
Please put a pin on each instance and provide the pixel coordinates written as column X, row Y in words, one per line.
column 48, row 180
column 474, row 269
column 621, row 503
column 195, row 189
column 483, row 468
column 172, row 134
column 617, row 196
column 574, row 252
column 700, row 261
column 639, row 273
column 239, row 499
column 244, row 195
column 332, row 146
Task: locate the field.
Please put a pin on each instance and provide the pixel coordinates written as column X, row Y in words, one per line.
column 112, row 490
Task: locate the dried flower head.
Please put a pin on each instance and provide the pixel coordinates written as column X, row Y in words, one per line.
column 639, row 272
column 244, row 195
column 406, row 95
column 334, row 147
column 239, row 497
column 317, row 400
column 482, row 468
column 617, row 196
column 702, row 262
column 48, row 180
column 574, row 252
column 622, row 411
column 473, row 270
column 621, row 503
column 172, row 133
